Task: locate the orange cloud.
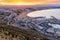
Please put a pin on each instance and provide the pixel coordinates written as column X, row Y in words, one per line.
column 9, row 1
column 17, row 2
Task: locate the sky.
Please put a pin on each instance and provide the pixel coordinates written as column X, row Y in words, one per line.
column 28, row 2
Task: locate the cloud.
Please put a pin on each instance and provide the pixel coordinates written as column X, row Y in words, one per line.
column 28, row 2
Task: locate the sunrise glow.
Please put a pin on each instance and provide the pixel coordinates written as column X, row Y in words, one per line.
column 28, row 2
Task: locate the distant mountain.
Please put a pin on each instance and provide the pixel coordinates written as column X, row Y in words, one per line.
column 24, row 6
